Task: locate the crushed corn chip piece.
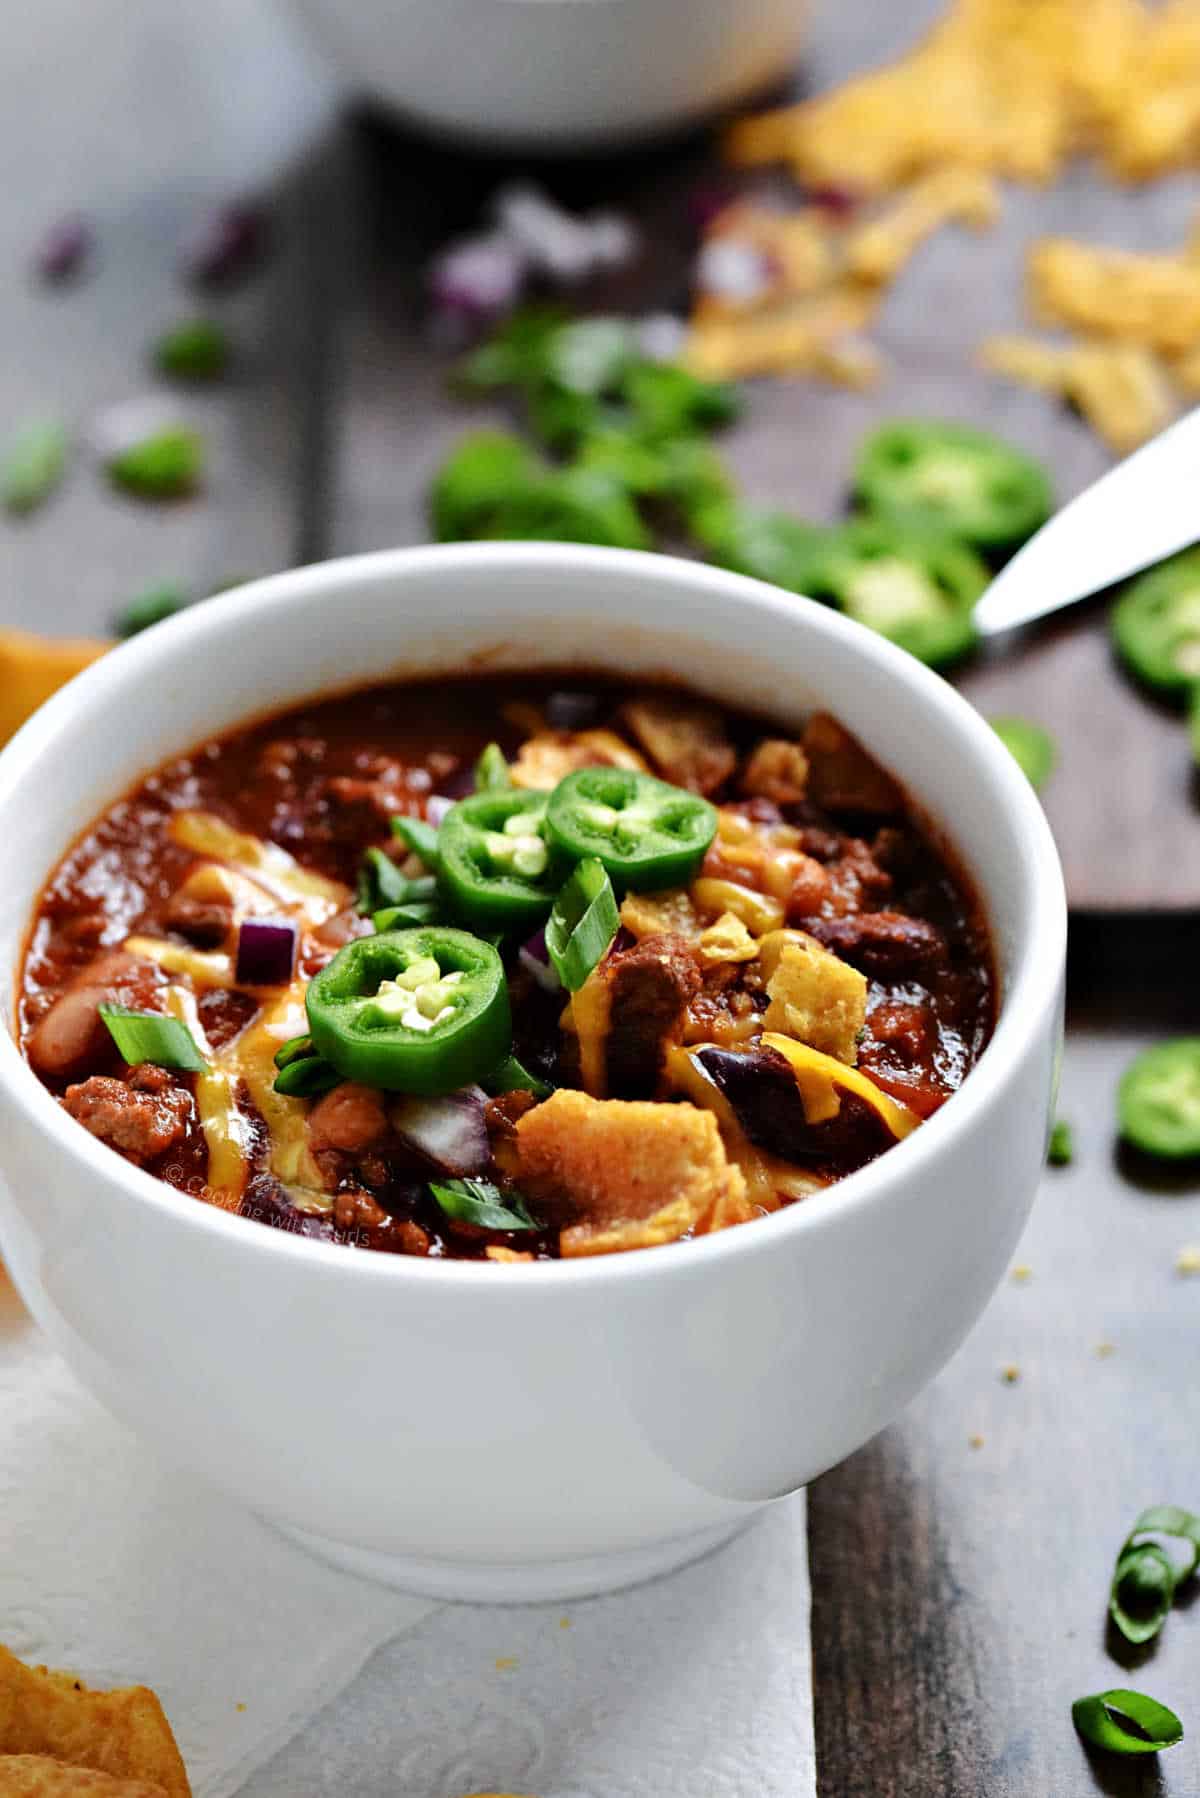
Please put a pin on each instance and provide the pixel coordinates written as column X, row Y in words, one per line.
column 878, row 250
column 802, row 336
column 123, row 1733
column 1104, row 292
column 655, row 914
column 1122, row 389
column 32, row 668
column 727, row 940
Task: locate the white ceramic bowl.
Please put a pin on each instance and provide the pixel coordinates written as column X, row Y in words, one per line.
column 530, row 1432
column 552, row 73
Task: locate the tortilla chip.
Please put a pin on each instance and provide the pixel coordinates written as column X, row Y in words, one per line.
column 32, row 668
column 124, row 1733
column 37, row 1776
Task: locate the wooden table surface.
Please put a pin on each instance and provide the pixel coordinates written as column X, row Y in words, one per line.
column 959, row 1590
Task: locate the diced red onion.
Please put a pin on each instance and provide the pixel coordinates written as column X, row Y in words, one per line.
column 450, row 1131
column 660, row 336
column 478, row 277
column 436, row 807
column 224, row 243
column 839, row 201
column 534, row 957
column 266, row 952
column 614, row 239
column 732, row 270
column 459, row 784
column 65, row 248
column 706, row 203
column 556, row 243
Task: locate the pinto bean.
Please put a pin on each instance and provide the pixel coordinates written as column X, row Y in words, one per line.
column 72, row 1033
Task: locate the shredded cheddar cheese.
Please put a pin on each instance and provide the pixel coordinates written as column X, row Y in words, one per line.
column 766, row 1176
column 227, row 1131
column 267, row 864
column 822, row 1080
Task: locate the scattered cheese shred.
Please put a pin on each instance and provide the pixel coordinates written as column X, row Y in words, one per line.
column 266, row 863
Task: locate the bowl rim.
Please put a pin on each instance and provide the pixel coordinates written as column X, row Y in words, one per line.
column 1032, row 986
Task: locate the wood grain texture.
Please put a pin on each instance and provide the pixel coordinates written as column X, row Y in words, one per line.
column 1121, row 803
column 959, row 1592
column 105, row 109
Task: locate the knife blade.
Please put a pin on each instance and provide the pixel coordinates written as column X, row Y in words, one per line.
column 1144, row 509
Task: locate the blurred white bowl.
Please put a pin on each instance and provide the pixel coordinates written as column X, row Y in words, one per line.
column 558, row 72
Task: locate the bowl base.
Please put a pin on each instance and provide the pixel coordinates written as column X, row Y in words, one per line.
column 484, row 1582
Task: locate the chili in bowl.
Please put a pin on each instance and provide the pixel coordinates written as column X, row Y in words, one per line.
column 551, row 906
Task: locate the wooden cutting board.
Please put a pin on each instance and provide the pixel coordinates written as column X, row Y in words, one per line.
column 1121, row 800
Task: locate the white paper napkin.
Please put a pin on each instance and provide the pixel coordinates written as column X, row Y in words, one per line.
column 695, row 1686
column 124, row 1570
column 128, row 1572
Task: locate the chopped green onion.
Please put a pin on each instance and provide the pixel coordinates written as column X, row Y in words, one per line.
column 303, row 1074
column 1124, row 1722
column 479, row 1202
column 167, row 465
column 307, row 1078
column 150, row 607
column 1170, row 1520
column 410, row 916
column 1142, row 1591
column 149, row 1036
column 583, row 923
column 512, row 1077
column 418, row 838
column 491, row 771
column 1031, row 747
column 380, row 883
column 33, row 467
column 1146, row 1579
column 197, row 350
column 1061, row 1151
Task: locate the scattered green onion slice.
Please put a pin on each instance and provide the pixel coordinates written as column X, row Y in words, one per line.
column 303, row 1073
column 149, row 1036
column 381, row 883
column 1170, row 1520
column 1124, row 1722
column 150, row 607
column 1061, row 1151
column 1029, row 745
column 1142, row 1591
column 582, row 924
column 479, row 1202
column 1146, row 1578
column 492, row 771
column 197, row 350
column 409, row 916
column 167, row 465
column 512, row 1077
column 418, row 838
column 33, row 467
column 308, row 1078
